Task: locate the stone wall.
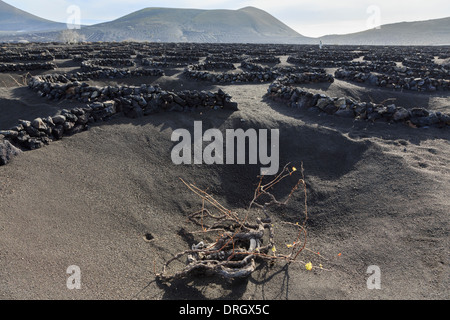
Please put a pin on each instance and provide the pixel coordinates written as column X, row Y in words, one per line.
column 349, row 108
column 12, row 67
column 242, row 77
column 262, row 75
column 231, row 58
column 99, row 64
column 265, row 59
column 27, row 56
column 394, row 81
column 149, row 62
column 68, row 86
column 102, row 103
column 131, row 102
column 210, row 65
column 178, row 59
column 305, row 77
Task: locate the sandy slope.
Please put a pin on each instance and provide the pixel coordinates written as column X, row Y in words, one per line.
column 378, row 194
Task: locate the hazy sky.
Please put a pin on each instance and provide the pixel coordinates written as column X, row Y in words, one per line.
column 308, row 17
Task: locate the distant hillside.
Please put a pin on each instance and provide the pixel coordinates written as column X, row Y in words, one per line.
column 430, row 32
column 249, row 24
column 16, row 20
column 246, row 25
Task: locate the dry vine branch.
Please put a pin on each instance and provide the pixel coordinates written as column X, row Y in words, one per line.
column 15, row 80
column 240, row 242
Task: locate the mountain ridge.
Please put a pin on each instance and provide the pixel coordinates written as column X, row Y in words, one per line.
column 426, row 32
column 245, row 25
column 13, row 19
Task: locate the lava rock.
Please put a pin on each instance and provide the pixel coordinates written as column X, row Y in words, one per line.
column 419, row 112
column 401, row 114
column 229, row 105
column 58, row 132
column 59, row 119
column 39, row 124
column 323, row 102
column 7, row 152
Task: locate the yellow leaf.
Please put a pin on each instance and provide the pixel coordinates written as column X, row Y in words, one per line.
column 274, row 249
column 294, row 169
column 309, row 266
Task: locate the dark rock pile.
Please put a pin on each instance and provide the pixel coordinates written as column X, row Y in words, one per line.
column 83, row 53
column 100, row 64
column 245, row 65
column 262, row 75
column 209, row 65
column 31, row 135
column 298, row 69
column 232, row 58
column 68, row 86
column 136, row 102
column 394, row 81
column 26, row 56
column 150, row 62
column 381, row 55
column 349, row 108
column 253, row 77
column 11, row 67
column 329, row 54
column 186, row 59
column 7, row 151
column 326, row 58
column 252, row 67
column 391, row 68
column 112, row 54
column 420, row 57
column 323, row 63
column 305, row 77
column 418, row 64
column 132, row 102
column 265, row 59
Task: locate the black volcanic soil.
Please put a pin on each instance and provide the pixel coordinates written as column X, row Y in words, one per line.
column 377, row 195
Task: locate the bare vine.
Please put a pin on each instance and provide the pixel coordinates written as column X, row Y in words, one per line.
column 241, row 241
